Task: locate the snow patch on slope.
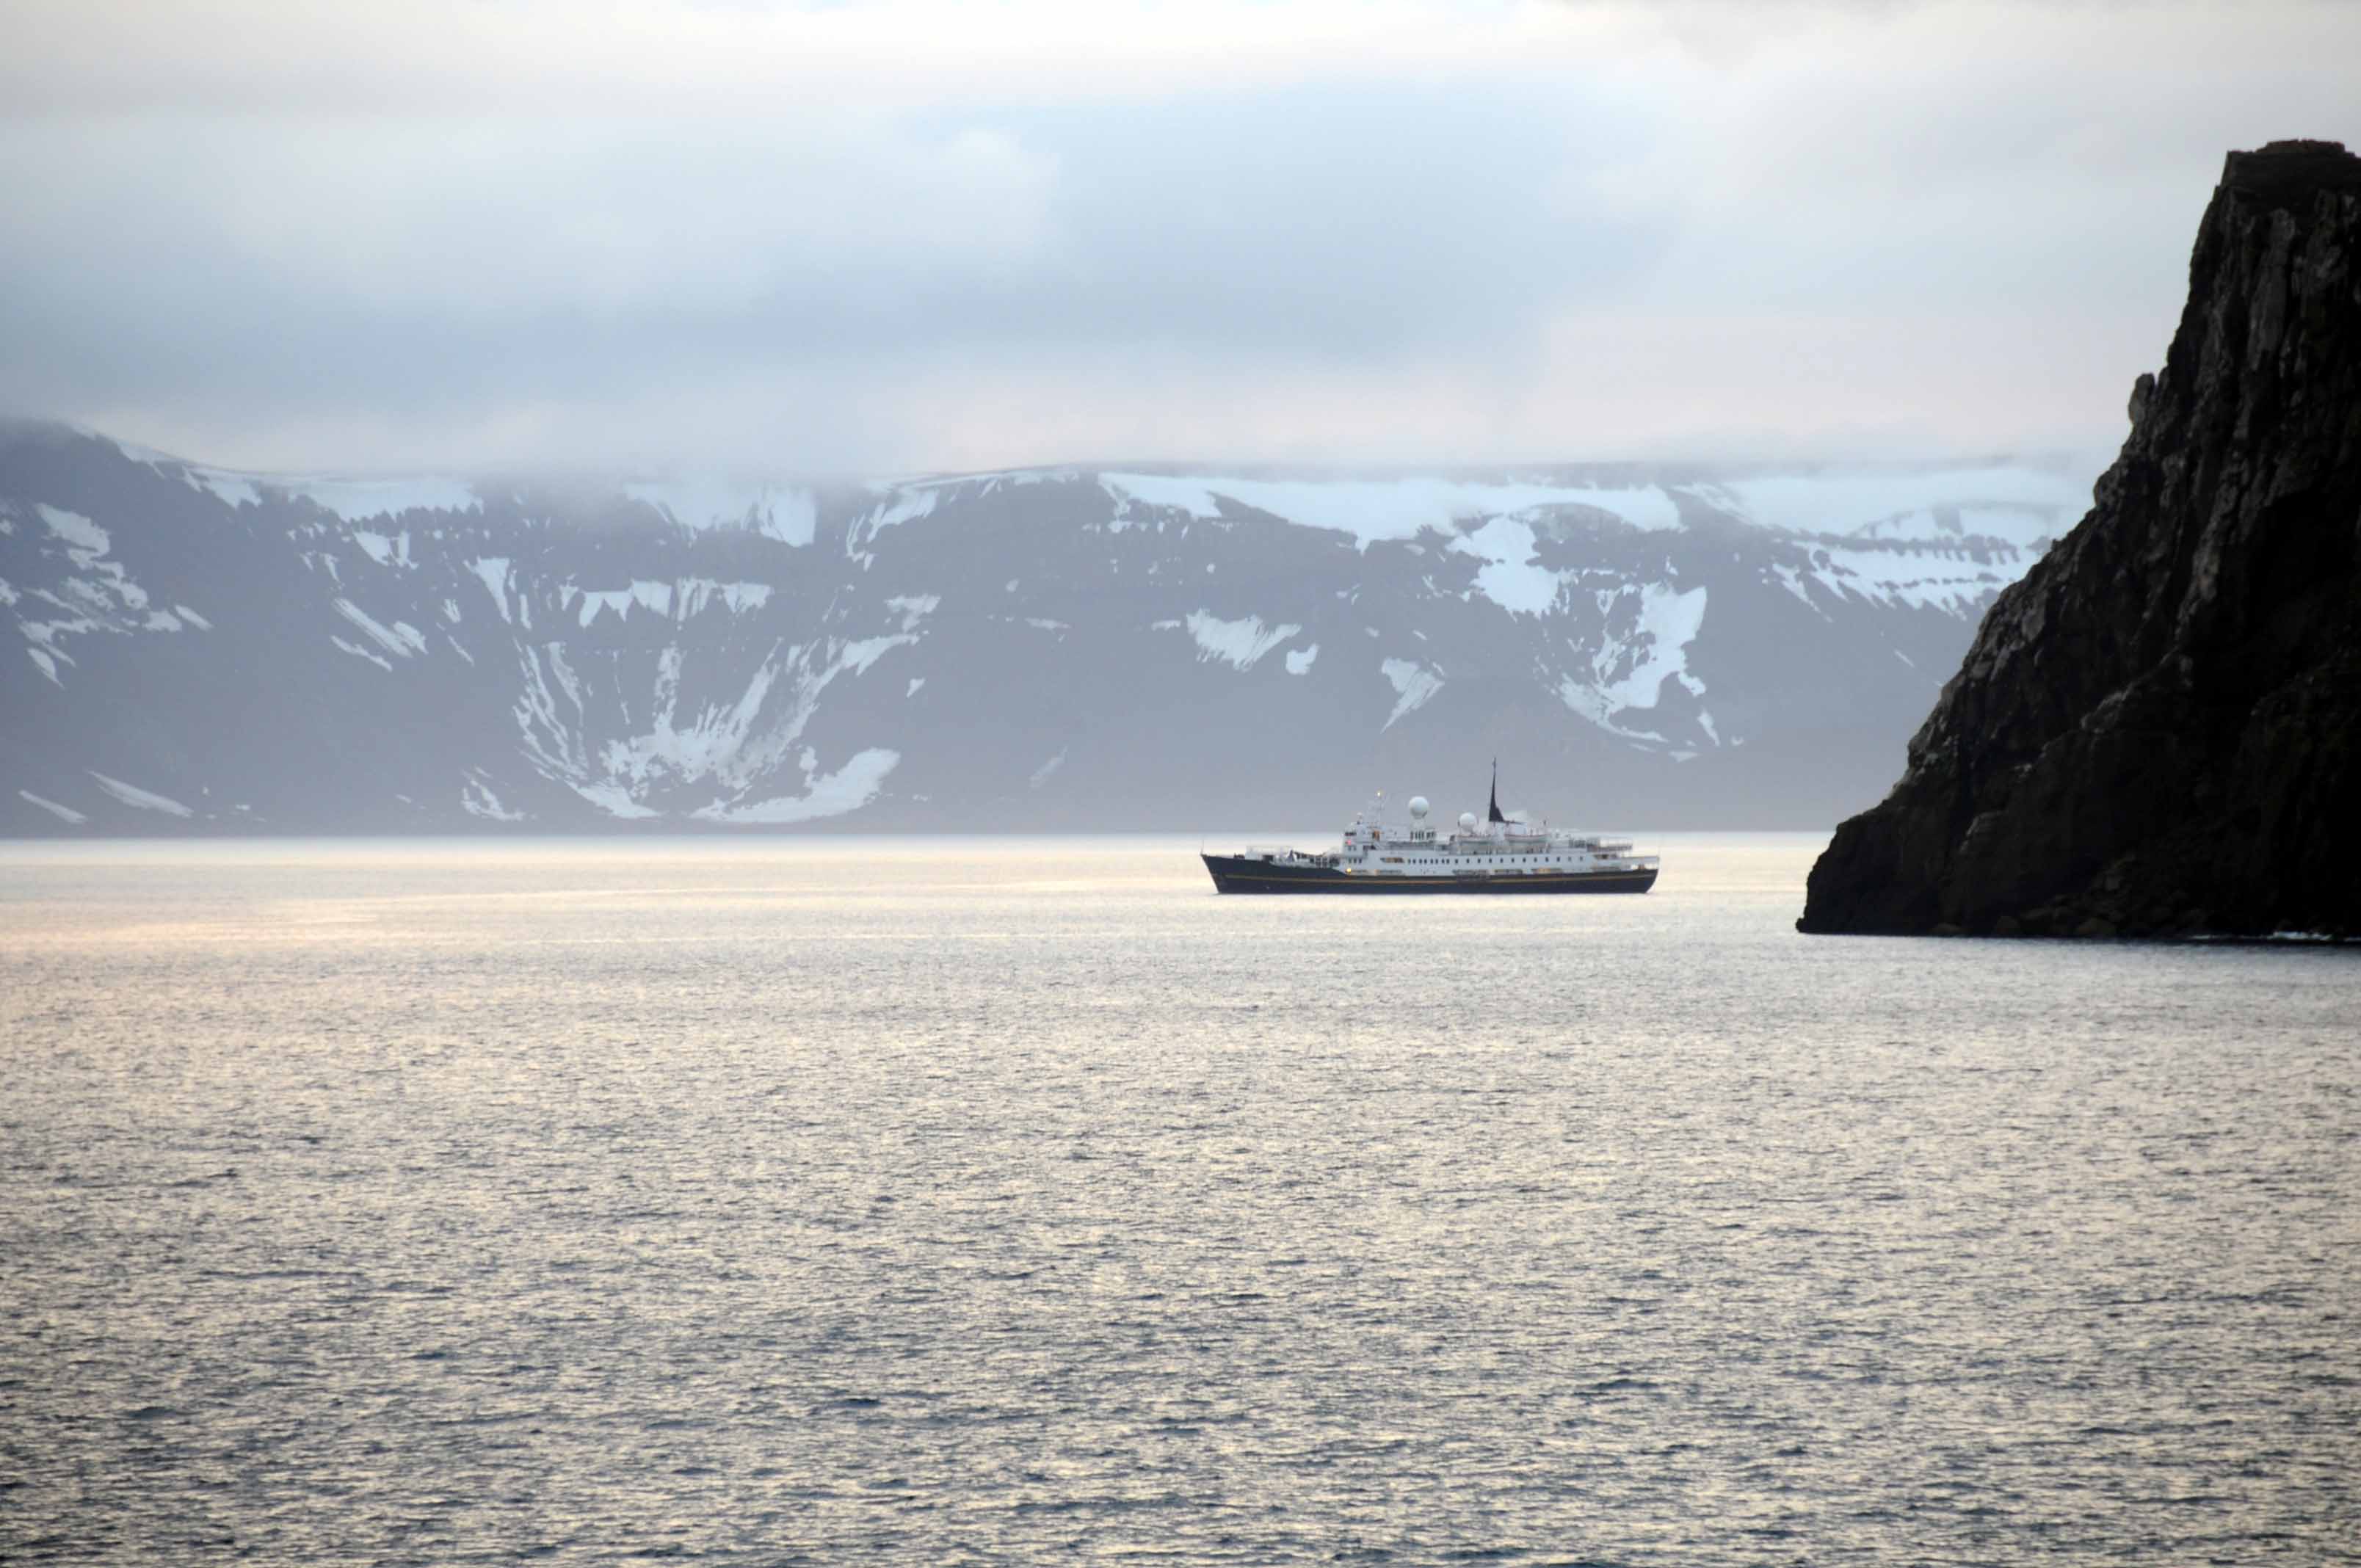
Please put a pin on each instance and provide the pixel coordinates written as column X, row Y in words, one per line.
column 85, row 541
column 614, row 800
column 358, row 500
column 86, row 545
column 235, row 490
column 478, row 800
column 655, row 597
column 2006, row 499
column 352, row 500
column 492, row 571
column 1668, row 622
column 63, row 813
column 849, row 788
column 1510, row 576
column 914, row 608
column 1413, row 683
column 1953, row 582
column 97, row 593
column 358, row 651
column 1375, row 510
column 787, row 514
column 735, row 745
column 905, row 504
column 1791, row 579
column 1631, row 666
column 1237, row 642
column 401, row 640
column 384, row 551
column 144, row 799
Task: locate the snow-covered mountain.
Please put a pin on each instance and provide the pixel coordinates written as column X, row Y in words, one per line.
column 1109, row 647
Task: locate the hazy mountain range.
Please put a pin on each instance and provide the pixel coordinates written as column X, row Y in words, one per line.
column 1113, row 648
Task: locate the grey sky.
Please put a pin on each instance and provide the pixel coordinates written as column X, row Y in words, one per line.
column 875, row 235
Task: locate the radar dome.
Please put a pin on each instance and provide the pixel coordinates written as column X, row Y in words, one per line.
column 1467, row 821
column 1417, row 807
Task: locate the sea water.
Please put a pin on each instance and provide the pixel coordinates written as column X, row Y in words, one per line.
column 930, row 1201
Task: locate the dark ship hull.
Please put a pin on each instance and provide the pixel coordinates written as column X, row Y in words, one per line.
column 1239, row 873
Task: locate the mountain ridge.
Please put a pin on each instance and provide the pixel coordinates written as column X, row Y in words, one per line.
column 1026, row 648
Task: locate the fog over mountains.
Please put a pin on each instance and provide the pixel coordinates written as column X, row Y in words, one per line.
column 1106, row 648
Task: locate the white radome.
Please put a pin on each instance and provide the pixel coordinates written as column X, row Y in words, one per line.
column 1467, row 822
column 1418, row 809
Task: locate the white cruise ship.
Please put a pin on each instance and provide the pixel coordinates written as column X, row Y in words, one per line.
column 1502, row 853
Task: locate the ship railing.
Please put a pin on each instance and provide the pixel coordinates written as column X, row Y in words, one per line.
column 1288, row 853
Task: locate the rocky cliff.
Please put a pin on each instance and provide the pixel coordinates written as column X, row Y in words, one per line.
column 2157, row 729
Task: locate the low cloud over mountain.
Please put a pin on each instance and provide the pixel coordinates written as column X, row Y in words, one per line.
column 199, row 649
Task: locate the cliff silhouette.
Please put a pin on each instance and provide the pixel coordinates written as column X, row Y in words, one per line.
column 2158, row 730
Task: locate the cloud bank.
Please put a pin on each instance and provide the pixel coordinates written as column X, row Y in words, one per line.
column 897, row 235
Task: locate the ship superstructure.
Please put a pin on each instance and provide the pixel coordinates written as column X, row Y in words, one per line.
column 1500, row 853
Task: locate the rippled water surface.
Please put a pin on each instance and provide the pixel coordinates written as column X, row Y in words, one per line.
column 920, row 1200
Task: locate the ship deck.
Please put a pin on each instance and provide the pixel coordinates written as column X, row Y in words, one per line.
column 1237, row 873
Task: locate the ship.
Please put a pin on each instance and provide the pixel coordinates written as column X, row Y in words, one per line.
column 1502, row 854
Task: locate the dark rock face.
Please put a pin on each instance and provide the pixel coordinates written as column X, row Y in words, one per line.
column 2159, row 728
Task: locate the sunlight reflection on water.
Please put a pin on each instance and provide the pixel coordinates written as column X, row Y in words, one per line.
column 926, row 1199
